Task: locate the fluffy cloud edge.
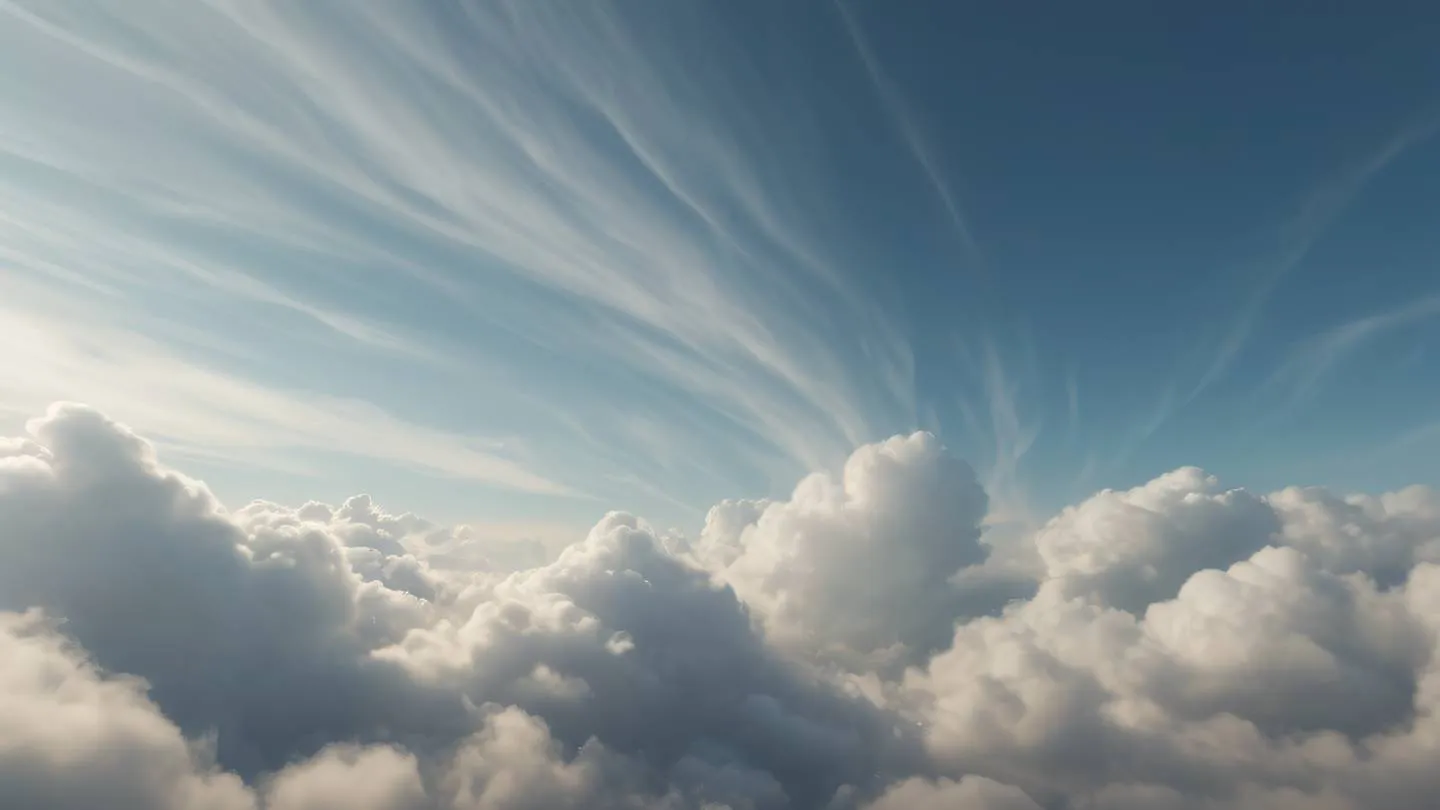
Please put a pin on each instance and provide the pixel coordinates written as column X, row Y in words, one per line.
column 1185, row 646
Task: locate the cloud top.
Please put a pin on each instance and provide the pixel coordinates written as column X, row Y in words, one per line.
column 1179, row 645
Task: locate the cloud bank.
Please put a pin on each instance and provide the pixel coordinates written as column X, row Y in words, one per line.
column 856, row 645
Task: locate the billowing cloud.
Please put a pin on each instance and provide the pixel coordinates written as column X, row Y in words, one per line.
column 74, row 738
column 284, row 631
column 1181, row 645
column 378, row 778
column 970, row 793
column 1289, row 678
column 1129, row 549
column 859, row 564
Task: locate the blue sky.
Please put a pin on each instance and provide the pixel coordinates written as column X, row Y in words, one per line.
column 519, row 263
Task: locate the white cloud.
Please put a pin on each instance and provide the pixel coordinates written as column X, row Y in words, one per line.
column 349, row 778
column 1184, row 646
column 1383, row 536
column 75, row 738
column 1296, row 380
column 1298, row 235
column 554, row 192
column 1275, row 681
column 860, row 564
column 285, row 630
column 969, row 793
column 1129, row 549
column 203, row 410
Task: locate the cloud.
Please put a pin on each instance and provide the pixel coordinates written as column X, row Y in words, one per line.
column 970, row 793
column 1303, row 371
column 1130, row 549
column 625, row 633
column 75, row 738
column 1289, row 678
column 915, row 140
column 1299, row 373
column 489, row 189
column 859, row 564
column 284, row 631
column 199, row 409
column 1384, row 537
column 1317, row 211
column 1179, row 645
column 219, row 614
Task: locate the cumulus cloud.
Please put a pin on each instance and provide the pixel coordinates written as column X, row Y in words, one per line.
column 222, row 614
column 75, row 738
column 858, row 564
column 261, row 627
column 1180, row 645
column 970, row 793
column 377, row 778
column 1275, row 682
column 1129, row 549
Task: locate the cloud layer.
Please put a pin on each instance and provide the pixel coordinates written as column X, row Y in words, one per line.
column 857, row 645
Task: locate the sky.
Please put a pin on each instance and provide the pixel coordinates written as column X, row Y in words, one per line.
column 834, row 405
column 517, row 263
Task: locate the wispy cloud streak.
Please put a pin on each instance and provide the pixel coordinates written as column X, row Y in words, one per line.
column 925, row 157
column 529, row 177
column 1305, row 369
column 209, row 413
column 1299, row 235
